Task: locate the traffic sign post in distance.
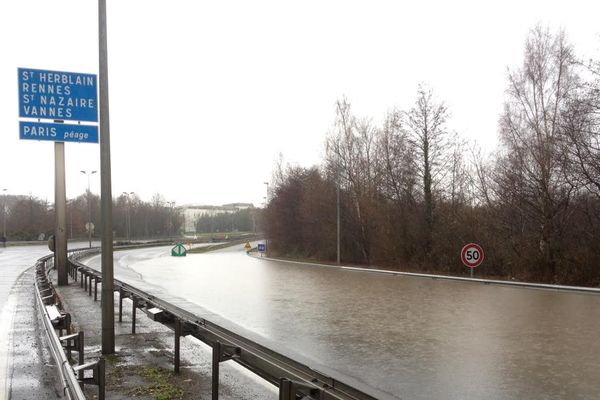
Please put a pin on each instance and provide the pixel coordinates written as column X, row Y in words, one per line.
column 472, row 256
column 262, row 248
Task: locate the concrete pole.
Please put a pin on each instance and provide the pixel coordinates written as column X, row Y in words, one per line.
column 108, row 301
column 60, row 211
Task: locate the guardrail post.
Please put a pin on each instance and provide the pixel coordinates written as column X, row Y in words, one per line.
column 289, row 390
column 80, row 350
column 98, row 378
column 120, row 305
column 133, row 308
column 216, row 359
column 177, row 342
column 96, row 289
column 101, row 379
column 221, row 352
column 285, row 389
column 75, row 342
column 65, row 323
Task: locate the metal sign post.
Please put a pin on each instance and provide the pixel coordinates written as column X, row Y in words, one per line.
column 56, row 97
column 262, row 249
column 60, row 211
column 472, row 256
column 108, row 312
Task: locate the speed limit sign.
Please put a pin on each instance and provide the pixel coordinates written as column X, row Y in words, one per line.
column 472, row 255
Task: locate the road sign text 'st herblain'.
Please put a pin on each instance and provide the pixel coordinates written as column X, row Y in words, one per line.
column 57, row 95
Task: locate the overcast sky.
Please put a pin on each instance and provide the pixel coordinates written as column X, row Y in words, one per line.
column 205, row 95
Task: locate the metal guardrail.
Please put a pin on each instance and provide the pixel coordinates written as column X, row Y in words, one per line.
column 72, row 377
column 294, row 379
column 497, row 282
column 70, row 384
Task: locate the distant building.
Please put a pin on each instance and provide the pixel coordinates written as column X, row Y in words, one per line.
column 237, row 206
column 191, row 213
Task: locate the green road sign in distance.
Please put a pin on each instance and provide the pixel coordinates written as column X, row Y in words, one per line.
column 179, row 250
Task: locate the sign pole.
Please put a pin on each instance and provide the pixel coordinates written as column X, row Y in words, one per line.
column 108, row 312
column 60, row 211
column 472, row 256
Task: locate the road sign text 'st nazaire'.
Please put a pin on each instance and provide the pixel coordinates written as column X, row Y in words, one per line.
column 57, row 95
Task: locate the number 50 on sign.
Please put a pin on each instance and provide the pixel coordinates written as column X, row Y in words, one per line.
column 472, row 255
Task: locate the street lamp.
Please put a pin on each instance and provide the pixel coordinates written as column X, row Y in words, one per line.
column 70, row 211
column 338, row 215
column 128, row 214
column 171, row 204
column 89, row 204
column 267, row 198
column 266, row 204
column 4, row 215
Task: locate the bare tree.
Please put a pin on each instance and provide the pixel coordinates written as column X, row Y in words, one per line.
column 351, row 152
column 426, row 123
column 397, row 160
column 582, row 126
column 533, row 165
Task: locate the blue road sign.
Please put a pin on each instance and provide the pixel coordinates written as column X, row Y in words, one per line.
column 262, row 248
column 57, row 95
column 58, row 132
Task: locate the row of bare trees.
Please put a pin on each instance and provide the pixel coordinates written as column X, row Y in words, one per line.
column 413, row 192
column 31, row 218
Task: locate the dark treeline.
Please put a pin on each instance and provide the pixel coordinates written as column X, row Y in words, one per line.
column 412, row 192
column 242, row 221
column 28, row 217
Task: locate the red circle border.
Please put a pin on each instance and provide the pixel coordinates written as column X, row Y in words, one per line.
column 463, row 259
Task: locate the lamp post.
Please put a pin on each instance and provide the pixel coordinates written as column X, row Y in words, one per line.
column 70, row 211
column 128, row 214
column 266, row 204
column 4, row 214
column 337, row 193
column 170, row 230
column 89, row 218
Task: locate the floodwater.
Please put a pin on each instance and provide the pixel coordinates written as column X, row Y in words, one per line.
column 397, row 336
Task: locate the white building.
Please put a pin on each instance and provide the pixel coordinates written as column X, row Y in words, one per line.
column 191, row 213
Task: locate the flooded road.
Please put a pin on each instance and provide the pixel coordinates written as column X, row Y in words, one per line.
column 406, row 337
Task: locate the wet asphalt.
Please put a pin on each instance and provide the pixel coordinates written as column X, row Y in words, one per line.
column 26, row 369
column 32, row 371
